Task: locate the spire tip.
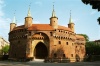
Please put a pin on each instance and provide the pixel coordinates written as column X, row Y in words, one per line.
column 14, row 19
column 53, row 12
column 29, row 12
column 70, row 20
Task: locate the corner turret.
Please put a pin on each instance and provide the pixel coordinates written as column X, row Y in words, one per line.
column 71, row 24
column 28, row 19
column 54, row 20
column 13, row 24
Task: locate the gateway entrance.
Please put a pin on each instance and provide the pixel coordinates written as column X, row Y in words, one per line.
column 40, row 51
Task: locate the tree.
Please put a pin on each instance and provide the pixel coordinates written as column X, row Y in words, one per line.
column 89, row 47
column 95, row 5
column 85, row 36
column 98, row 20
column 5, row 49
column 92, row 48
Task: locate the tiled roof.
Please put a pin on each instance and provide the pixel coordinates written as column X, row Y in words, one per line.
column 97, row 40
column 64, row 28
column 80, row 37
column 42, row 27
column 19, row 27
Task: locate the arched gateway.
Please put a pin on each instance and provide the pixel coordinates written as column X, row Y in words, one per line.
column 40, row 51
column 40, row 45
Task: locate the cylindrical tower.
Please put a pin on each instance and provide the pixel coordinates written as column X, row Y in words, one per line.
column 28, row 19
column 71, row 24
column 54, row 20
column 13, row 24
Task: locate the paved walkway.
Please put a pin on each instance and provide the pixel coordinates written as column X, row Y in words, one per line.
column 8, row 63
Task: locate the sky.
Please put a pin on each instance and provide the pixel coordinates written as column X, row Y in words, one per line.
column 83, row 16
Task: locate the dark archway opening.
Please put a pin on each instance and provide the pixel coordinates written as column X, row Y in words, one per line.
column 40, row 51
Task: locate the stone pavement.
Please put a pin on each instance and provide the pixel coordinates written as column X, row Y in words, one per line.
column 31, row 63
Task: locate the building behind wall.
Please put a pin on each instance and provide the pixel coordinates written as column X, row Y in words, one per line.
column 97, row 42
column 3, row 43
column 30, row 41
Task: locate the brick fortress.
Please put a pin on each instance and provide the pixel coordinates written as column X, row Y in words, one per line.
column 31, row 41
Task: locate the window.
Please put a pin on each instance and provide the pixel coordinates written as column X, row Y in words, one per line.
column 63, row 55
column 59, row 30
column 18, row 41
column 72, row 43
column 66, row 43
column 29, row 33
column 15, row 54
column 59, row 42
column 51, row 34
column 20, row 30
column 40, row 33
column 61, row 37
column 66, row 37
column 55, row 55
column 80, row 46
column 71, row 55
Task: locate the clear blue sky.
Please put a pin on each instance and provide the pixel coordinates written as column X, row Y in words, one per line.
column 84, row 17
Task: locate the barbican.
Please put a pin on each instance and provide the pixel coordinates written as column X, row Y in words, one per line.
column 45, row 41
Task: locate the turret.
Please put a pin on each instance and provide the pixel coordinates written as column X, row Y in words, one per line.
column 71, row 24
column 54, row 20
column 13, row 24
column 28, row 19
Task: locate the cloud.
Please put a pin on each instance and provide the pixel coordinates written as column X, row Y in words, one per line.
column 38, row 3
column 4, row 22
column 93, row 12
column 1, row 2
column 1, row 6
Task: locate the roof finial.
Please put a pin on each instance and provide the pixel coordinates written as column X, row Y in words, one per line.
column 70, row 20
column 53, row 12
column 14, row 19
column 29, row 12
column 70, row 13
column 53, row 6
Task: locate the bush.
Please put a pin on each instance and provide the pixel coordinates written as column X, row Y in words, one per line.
column 0, row 57
column 95, row 57
column 5, row 57
column 92, row 58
